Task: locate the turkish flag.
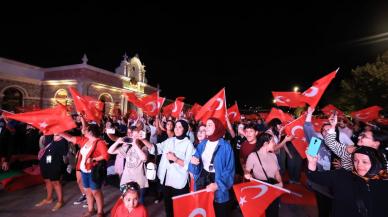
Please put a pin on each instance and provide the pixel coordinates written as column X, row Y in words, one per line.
column 278, row 113
column 132, row 114
column 289, row 99
column 255, row 196
column 168, row 109
column 194, row 204
column 91, row 107
column 131, row 97
column 295, row 129
column 318, row 123
column 215, row 107
column 328, row 110
column 177, row 109
column 151, row 104
column 194, row 110
column 49, row 121
column 234, row 114
column 382, row 121
column 367, row 114
column 180, row 98
column 263, row 115
column 312, row 95
column 252, row 117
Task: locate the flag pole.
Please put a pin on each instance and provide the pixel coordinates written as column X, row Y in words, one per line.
column 277, row 187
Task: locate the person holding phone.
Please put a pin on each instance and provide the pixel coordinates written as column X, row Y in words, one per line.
column 173, row 167
column 134, row 154
column 361, row 192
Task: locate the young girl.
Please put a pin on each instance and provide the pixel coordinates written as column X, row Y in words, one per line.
column 128, row 204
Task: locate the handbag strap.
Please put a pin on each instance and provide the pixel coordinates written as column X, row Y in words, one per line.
column 261, row 165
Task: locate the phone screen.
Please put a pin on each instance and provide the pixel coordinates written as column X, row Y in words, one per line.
column 110, row 131
column 314, row 145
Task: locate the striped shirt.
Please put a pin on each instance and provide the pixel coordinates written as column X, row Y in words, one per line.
column 339, row 149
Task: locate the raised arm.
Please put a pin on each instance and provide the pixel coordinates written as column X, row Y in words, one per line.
column 68, row 137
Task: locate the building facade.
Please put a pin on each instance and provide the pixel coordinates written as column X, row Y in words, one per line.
column 27, row 86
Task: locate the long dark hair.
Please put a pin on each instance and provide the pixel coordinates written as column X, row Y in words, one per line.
column 263, row 138
column 378, row 163
column 272, row 125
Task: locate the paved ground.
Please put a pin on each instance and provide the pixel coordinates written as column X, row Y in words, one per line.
column 21, row 204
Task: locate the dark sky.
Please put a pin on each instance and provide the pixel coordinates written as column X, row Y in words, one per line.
column 195, row 50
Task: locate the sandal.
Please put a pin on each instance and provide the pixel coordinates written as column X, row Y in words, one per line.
column 57, row 206
column 44, row 202
column 88, row 214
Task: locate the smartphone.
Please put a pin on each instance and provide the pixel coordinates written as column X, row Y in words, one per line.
column 127, row 140
column 335, row 112
column 110, row 131
column 314, row 145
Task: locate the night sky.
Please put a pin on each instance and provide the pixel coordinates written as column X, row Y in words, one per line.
column 195, row 50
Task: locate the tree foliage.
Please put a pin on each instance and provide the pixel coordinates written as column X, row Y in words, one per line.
column 367, row 86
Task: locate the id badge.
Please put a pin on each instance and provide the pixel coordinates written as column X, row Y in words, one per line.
column 48, row 159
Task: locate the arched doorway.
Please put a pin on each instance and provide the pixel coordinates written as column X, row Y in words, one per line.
column 107, row 99
column 62, row 97
column 12, row 98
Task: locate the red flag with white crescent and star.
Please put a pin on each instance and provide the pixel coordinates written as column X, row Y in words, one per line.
column 289, row 99
column 328, row 110
column 234, row 114
column 195, row 204
column 49, row 121
column 90, row 107
column 151, row 104
column 318, row 123
column 295, row 129
column 168, row 109
column 193, row 110
column 177, row 108
column 215, row 107
column 312, row 95
column 255, row 196
column 367, row 114
column 132, row 98
column 278, row 113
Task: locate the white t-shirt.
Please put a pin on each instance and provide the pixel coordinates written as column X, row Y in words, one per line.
column 154, row 136
column 207, row 154
column 84, row 152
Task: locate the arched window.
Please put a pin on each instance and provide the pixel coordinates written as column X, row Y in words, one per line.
column 12, row 98
column 107, row 99
column 61, row 96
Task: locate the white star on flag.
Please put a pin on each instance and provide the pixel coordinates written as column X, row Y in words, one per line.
column 43, row 125
column 242, row 201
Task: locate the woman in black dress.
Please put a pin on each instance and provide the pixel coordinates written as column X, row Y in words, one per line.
column 51, row 164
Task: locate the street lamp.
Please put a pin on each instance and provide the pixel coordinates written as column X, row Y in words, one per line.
column 274, row 100
column 296, row 89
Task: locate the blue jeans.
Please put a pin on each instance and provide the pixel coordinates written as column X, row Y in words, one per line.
column 88, row 182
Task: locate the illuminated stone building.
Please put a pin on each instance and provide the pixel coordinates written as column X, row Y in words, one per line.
column 25, row 86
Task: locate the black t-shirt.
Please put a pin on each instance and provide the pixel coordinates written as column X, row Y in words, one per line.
column 57, row 149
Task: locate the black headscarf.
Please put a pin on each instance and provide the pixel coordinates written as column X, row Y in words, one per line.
column 185, row 126
column 376, row 159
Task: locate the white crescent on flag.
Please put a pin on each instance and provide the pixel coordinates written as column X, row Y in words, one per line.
column 263, row 188
column 362, row 116
column 295, row 129
column 219, row 107
column 153, row 104
column 198, row 211
column 175, row 107
column 280, row 99
column 43, row 125
column 233, row 113
column 311, row 92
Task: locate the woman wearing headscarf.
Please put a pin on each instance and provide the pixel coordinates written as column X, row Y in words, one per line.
column 360, row 192
column 172, row 170
column 213, row 166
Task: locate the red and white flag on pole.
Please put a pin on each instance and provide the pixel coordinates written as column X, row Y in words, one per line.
column 49, row 121
column 312, row 95
column 367, row 114
column 151, row 104
column 234, row 114
column 295, row 129
column 255, row 196
column 215, row 107
column 132, row 98
column 289, row 99
column 193, row 110
column 195, row 204
column 90, row 107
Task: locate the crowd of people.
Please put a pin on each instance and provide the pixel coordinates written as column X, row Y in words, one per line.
column 348, row 175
